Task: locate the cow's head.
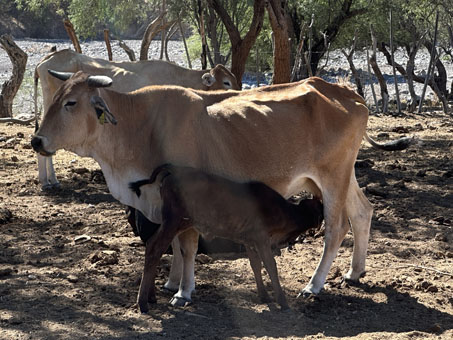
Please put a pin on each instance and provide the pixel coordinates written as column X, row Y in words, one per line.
column 75, row 113
column 220, row 78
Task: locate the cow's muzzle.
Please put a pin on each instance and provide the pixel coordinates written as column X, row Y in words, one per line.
column 38, row 146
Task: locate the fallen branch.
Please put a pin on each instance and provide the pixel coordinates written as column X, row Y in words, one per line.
column 17, row 121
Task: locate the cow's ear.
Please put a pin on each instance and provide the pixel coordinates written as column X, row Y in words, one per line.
column 102, row 111
column 208, row 79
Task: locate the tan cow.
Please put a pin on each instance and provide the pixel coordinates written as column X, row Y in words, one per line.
column 292, row 137
column 250, row 213
column 127, row 76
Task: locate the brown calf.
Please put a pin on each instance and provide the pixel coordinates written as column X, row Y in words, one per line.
column 249, row 213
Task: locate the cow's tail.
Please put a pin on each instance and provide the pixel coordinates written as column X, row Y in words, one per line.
column 35, row 97
column 396, row 145
column 159, row 173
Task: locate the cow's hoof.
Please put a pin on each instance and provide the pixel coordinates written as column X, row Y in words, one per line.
column 179, row 301
column 285, row 309
column 305, row 294
column 56, row 185
column 51, row 187
column 170, row 289
column 143, row 306
column 352, row 277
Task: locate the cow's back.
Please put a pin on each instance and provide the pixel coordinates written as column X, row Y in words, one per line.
column 294, row 125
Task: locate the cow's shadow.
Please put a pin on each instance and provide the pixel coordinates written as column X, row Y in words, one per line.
column 330, row 314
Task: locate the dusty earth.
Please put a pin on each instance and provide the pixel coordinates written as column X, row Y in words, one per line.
column 70, row 265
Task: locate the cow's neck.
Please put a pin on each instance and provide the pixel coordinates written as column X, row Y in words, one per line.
column 120, row 149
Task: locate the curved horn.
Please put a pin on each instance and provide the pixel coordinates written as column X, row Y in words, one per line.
column 99, row 81
column 60, row 75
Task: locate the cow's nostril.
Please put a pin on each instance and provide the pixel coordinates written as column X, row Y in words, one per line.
column 36, row 143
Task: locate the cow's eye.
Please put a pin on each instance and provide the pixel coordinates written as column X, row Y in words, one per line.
column 69, row 103
column 227, row 83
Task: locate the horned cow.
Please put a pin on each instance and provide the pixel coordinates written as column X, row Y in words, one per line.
column 127, row 76
column 292, row 137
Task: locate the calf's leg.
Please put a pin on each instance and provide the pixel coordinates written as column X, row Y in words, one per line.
column 155, row 247
column 360, row 213
column 255, row 263
column 269, row 262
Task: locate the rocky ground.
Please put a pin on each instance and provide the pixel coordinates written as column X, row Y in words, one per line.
column 70, row 266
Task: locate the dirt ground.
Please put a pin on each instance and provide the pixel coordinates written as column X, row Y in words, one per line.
column 70, row 265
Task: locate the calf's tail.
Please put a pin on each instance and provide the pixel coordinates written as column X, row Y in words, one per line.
column 162, row 170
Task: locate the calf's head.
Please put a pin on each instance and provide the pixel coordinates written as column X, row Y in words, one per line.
column 220, row 78
column 74, row 115
column 311, row 211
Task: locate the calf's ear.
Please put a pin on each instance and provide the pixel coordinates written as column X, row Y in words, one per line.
column 208, row 79
column 102, row 111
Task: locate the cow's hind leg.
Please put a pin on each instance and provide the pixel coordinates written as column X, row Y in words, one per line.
column 189, row 245
column 360, row 213
column 255, row 263
column 336, row 227
column 174, row 278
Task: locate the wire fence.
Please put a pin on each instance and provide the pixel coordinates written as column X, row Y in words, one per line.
column 333, row 68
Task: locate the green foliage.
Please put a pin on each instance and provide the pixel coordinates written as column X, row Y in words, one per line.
column 90, row 17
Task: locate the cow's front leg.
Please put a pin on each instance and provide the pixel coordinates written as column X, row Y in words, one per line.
column 51, row 176
column 189, row 245
column 46, row 173
column 42, row 172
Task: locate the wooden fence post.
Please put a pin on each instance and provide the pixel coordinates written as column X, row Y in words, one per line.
column 398, row 102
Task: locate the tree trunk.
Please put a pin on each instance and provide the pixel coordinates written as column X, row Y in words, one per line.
column 185, row 43
column 71, row 33
column 215, row 42
column 163, row 32
column 150, row 32
column 410, row 67
column 278, row 18
column 431, row 82
column 321, row 41
column 378, row 74
column 371, row 80
column 130, row 53
column 11, row 86
column 171, row 32
column 350, row 57
column 107, row 44
column 441, row 78
column 240, row 46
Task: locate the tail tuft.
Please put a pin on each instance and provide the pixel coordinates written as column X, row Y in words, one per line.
column 135, row 186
